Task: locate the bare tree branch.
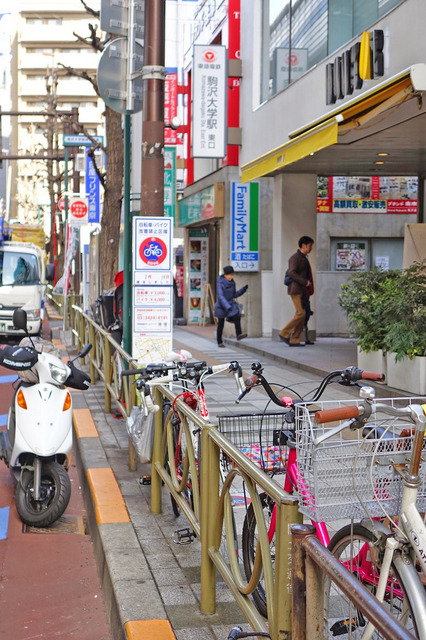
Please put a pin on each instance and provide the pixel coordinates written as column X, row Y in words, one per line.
column 81, row 74
column 93, row 40
column 92, row 12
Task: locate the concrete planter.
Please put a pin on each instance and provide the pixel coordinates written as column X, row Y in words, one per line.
column 372, row 361
column 407, row 375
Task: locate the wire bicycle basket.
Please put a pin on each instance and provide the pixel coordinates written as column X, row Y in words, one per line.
column 348, row 475
column 258, row 435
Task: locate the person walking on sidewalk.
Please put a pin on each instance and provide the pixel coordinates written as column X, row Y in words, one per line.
column 300, row 289
column 226, row 306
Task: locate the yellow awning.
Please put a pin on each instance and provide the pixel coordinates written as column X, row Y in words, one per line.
column 324, row 132
column 292, row 151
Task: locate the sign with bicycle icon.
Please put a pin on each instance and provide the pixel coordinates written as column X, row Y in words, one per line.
column 152, row 288
column 153, row 244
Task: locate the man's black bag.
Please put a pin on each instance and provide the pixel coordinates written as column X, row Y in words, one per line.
column 287, row 279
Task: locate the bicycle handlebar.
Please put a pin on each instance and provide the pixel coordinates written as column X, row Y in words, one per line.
column 348, row 376
column 340, row 413
column 369, row 375
column 196, row 371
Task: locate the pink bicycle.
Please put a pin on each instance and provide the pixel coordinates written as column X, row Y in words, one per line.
column 272, row 443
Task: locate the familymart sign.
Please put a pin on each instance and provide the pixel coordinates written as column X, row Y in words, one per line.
column 245, row 226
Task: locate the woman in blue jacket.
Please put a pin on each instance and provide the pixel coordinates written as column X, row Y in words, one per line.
column 226, row 306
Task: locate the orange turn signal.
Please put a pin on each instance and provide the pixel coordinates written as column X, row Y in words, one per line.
column 20, row 399
column 67, row 402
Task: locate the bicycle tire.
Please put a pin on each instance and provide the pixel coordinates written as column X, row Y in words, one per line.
column 178, row 461
column 351, row 545
column 248, row 543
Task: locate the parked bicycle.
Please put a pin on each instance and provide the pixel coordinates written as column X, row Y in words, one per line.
column 180, row 433
column 384, row 479
column 269, row 439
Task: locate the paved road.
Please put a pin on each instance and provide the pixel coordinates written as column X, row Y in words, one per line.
column 49, row 585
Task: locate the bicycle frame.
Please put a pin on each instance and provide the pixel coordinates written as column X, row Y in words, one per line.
column 290, row 483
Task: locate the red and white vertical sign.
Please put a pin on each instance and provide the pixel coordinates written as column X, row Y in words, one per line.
column 170, row 107
column 209, row 101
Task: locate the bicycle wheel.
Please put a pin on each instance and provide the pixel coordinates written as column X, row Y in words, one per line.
column 179, row 449
column 249, row 542
column 352, row 545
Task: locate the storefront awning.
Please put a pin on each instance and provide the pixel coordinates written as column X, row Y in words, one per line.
column 347, row 125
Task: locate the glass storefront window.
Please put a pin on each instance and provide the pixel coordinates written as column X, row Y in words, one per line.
column 298, row 34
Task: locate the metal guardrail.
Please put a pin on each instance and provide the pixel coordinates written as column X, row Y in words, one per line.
column 300, row 560
column 311, row 563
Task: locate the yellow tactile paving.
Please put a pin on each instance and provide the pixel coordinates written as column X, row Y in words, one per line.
column 109, row 503
column 83, row 424
column 149, row 630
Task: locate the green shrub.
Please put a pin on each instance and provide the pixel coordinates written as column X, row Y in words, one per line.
column 387, row 310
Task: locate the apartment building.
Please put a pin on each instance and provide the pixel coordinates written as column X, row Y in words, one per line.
column 44, row 43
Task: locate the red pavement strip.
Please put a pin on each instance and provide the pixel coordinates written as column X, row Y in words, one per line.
column 49, row 584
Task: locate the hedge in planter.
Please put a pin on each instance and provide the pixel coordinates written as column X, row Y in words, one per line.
column 387, row 310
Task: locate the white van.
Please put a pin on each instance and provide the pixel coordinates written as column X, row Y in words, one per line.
column 23, row 278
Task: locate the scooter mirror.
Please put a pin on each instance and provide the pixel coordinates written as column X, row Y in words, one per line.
column 85, row 350
column 20, row 319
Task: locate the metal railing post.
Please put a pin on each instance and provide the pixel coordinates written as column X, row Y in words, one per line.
column 298, row 612
column 107, row 369
column 156, row 456
column 287, row 515
column 92, row 353
column 209, row 501
column 72, row 322
column 315, row 594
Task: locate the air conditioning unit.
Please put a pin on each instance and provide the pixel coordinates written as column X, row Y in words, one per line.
column 80, row 162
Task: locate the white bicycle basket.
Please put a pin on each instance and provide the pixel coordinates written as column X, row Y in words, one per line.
column 341, row 474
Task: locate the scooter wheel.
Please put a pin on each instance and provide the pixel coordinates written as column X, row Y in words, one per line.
column 55, row 493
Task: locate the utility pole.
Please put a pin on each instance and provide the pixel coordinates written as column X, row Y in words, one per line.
column 152, row 181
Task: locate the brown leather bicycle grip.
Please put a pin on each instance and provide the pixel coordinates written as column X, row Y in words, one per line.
column 251, row 380
column 370, row 375
column 342, row 413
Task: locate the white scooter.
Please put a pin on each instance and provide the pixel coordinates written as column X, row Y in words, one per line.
column 38, row 441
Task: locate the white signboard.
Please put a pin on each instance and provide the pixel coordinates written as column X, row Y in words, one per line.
column 209, row 91
column 78, row 210
column 152, row 288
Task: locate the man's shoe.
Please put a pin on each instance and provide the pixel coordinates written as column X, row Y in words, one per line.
column 242, row 336
column 286, row 340
column 309, row 342
column 221, row 345
column 296, row 344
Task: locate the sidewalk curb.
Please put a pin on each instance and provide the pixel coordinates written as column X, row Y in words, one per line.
column 116, row 545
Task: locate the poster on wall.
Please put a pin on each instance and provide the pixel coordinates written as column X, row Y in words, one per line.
column 367, row 194
column 152, row 289
column 350, row 256
column 198, row 272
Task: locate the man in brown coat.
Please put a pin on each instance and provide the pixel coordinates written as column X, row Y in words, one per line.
column 300, row 289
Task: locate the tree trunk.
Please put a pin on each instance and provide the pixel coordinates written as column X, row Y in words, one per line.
column 111, row 216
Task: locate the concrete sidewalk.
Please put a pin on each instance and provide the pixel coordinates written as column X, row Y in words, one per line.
column 151, row 584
